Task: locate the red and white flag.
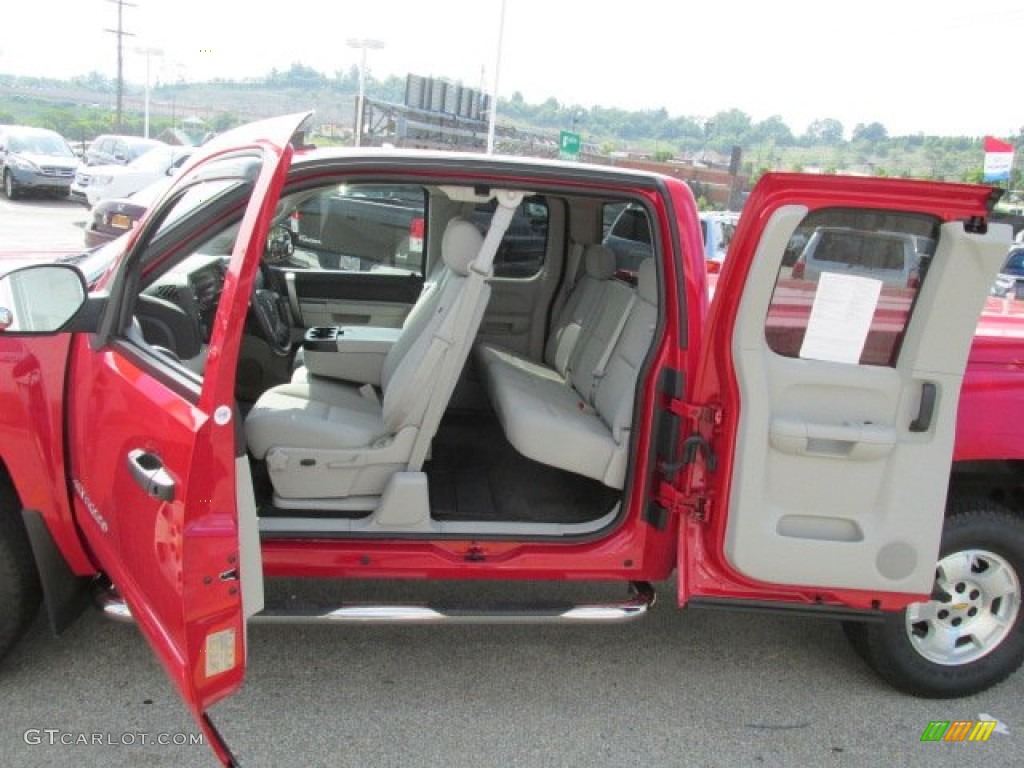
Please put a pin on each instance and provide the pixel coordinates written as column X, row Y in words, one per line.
column 998, row 159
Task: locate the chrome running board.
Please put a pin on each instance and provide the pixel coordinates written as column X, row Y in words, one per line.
column 641, row 598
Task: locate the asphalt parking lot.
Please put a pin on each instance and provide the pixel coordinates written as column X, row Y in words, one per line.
column 36, row 225
column 678, row 688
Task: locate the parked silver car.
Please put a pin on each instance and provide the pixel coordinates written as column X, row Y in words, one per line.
column 35, row 159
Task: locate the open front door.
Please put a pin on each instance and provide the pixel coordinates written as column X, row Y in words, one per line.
column 835, row 349
column 158, row 466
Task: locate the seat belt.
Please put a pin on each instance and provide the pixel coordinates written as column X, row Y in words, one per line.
column 460, row 323
column 572, row 268
column 606, row 356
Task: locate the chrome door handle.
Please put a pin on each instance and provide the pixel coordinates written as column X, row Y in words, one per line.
column 148, row 471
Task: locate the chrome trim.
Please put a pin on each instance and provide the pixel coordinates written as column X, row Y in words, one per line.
column 113, row 606
column 634, row 607
column 598, row 613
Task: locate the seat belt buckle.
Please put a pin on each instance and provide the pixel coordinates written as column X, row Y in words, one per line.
column 369, row 393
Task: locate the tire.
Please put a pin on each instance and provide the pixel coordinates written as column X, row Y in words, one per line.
column 970, row 636
column 20, row 591
column 11, row 188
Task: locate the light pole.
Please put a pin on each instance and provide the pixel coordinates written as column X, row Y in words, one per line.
column 492, row 117
column 364, row 44
column 148, row 53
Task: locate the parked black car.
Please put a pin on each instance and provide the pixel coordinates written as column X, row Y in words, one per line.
column 111, row 218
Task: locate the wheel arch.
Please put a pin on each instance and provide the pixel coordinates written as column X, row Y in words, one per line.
column 999, row 480
column 65, row 594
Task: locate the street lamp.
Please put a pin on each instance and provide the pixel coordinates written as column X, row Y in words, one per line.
column 492, row 117
column 148, row 53
column 364, row 44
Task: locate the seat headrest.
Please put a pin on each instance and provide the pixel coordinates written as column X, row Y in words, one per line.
column 460, row 245
column 599, row 261
column 647, row 281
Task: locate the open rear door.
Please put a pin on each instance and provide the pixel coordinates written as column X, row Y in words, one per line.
column 158, row 467
column 834, row 379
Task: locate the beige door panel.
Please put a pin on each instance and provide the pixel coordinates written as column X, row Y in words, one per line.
column 832, row 486
column 333, row 312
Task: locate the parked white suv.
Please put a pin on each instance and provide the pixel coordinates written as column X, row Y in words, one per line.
column 99, row 182
column 892, row 257
column 114, row 149
column 717, row 229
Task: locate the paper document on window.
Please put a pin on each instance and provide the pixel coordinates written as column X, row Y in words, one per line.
column 844, row 306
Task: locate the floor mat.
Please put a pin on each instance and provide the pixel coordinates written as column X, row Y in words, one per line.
column 476, row 474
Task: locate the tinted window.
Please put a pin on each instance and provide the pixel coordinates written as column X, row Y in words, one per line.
column 863, row 249
column 629, row 238
column 522, row 249
column 1015, row 262
column 361, row 228
column 849, row 296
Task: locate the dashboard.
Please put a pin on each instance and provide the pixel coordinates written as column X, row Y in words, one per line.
column 178, row 309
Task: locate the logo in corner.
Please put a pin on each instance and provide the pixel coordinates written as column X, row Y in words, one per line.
column 959, row 730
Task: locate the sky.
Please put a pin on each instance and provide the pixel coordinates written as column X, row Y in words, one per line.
column 938, row 67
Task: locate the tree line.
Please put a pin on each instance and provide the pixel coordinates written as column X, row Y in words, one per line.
column 826, row 144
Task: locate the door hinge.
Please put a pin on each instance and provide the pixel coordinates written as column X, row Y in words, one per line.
column 671, row 501
column 691, row 499
column 702, row 421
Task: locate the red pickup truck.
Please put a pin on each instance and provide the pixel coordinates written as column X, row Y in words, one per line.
column 250, row 386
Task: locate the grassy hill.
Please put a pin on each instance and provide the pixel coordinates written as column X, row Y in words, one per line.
column 85, row 106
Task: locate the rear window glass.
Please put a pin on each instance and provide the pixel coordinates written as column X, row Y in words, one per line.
column 523, row 248
column 850, row 294
column 868, row 250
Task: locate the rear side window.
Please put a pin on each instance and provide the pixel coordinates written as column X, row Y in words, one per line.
column 629, row 237
column 850, row 293
column 525, row 244
column 868, row 251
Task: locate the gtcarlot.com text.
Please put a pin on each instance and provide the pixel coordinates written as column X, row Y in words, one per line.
column 55, row 736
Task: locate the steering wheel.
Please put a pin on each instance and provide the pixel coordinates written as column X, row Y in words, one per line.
column 268, row 308
column 273, row 319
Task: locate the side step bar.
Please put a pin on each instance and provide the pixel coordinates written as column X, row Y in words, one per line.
column 633, row 607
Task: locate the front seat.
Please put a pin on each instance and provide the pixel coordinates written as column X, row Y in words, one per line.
column 324, row 439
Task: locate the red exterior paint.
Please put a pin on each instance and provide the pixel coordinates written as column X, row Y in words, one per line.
column 32, row 436
column 173, row 560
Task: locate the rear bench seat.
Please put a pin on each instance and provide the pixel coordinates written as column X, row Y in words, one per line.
column 578, row 418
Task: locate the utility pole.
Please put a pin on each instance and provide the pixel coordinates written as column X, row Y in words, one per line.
column 121, row 34
column 364, row 44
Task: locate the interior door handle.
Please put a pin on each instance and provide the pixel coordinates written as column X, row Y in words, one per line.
column 923, row 422
column 148, row 471
column 854, row 440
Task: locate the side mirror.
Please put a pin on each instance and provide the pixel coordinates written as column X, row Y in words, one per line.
column 40, row 299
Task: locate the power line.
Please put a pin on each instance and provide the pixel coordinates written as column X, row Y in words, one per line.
column 121, row 34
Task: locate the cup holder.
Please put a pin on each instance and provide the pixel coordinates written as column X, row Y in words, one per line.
column 323, row 333
column 323, row 338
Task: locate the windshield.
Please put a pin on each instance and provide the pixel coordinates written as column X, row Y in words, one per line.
column 40, row 144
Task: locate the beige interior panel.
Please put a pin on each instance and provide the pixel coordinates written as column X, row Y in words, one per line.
column 339, row 312
column 831, row 488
